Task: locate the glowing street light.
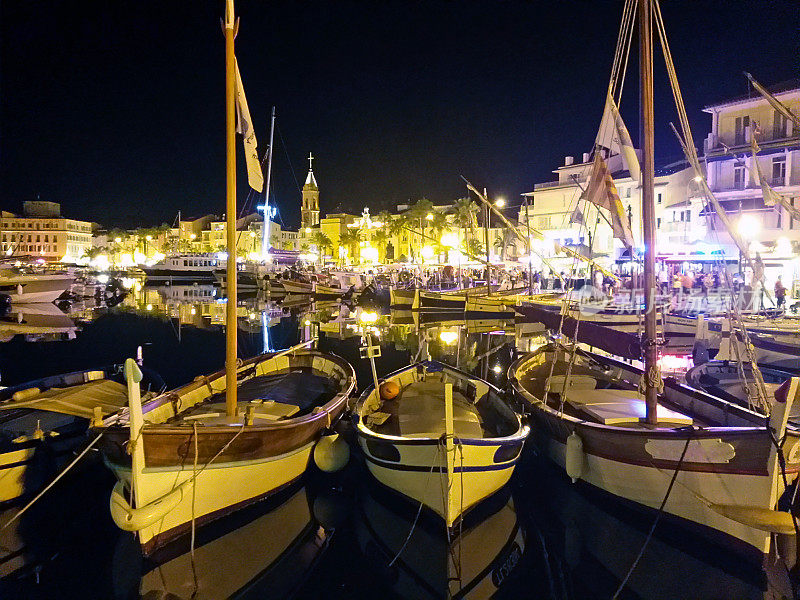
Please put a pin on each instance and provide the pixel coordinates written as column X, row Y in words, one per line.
column 450, row 239
column 427, row 252
column 500, row 202
column 368, row 317
column 748, row 226
column 429, row 216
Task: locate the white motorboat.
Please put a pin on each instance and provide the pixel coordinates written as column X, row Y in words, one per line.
column 31, row 287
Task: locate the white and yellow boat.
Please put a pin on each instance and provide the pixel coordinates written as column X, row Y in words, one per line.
column 446, row 439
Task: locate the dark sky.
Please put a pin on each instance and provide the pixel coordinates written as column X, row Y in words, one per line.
column 115, row 109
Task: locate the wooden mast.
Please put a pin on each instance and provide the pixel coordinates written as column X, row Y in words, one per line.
column 650, row 374
column 230, row 138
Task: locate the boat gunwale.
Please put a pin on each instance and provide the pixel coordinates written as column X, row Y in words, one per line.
column 520, row 435
column 679, row 431
column 113, row 423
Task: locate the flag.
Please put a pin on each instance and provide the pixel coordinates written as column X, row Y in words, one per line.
column 602, row 192
column 244, row 125
column 576, row 216
column 776, row 104
column 614, row 135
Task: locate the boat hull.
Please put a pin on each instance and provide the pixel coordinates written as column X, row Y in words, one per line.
column 420, row 474
column 404, row 298
column 31, row 289
column 218, row 490
column 437, row 301
column 721, row 466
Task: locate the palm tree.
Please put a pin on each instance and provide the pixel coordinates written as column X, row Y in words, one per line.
column 466, row 211
column 381, row 237
column 321, row 241
column 349, row 239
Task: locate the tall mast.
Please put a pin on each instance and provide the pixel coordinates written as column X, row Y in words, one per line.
column 648, row 211
column 267, row 214
column 230, row 217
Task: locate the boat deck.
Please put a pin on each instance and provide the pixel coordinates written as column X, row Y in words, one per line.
column 418, row 412
column 273, row 397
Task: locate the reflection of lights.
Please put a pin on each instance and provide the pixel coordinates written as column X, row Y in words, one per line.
column 497, row 369
column 368, row 317
column 448, row 337
column 149, row 307
column 128, row 282
column 670, row 362
column 102, row 278
column 698, row 178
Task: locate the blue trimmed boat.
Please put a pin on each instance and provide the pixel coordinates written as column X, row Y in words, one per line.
column 447, row 440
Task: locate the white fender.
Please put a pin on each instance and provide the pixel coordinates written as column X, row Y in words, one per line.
column 573, row 462
column 331, row 453
column 128, row 518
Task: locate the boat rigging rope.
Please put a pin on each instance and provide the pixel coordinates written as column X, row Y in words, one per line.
column 624, row 582
column 52, row 483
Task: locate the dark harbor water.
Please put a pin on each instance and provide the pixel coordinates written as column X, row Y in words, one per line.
column 340, row 536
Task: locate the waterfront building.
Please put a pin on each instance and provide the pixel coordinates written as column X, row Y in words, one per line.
column 553, row 208
column 769, row 230
column 41, row 232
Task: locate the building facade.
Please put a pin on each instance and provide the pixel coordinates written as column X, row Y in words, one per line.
column 41, row 232
column 770, row 231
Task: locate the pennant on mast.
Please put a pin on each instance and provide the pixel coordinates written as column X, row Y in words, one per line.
column 244, row 125
column 613, row 134
column 602, row 192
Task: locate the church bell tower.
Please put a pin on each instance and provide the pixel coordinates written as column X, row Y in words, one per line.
column 310, row 207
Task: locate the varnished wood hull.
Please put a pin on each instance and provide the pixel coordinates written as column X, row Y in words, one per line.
column 724, row 465
column 243, row 463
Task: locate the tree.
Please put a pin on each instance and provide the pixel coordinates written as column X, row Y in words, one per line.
column 321, row 241
column 381, row 238
column 475, row 248
column 350, row 239
column 466, row 216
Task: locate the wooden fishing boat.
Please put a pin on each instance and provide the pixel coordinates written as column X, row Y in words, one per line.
column 197, row 463
column 297, row 288
column 441, row 301
column 730, row 381
column 43, row 421
column 233, row 437
column 328, row 291
column 727, row 468
column 447, row 440
column 404, row 298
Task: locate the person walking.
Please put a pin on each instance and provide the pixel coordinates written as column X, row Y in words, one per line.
column 780, row 293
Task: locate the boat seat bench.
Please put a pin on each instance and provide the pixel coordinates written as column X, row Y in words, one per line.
column 619, row 407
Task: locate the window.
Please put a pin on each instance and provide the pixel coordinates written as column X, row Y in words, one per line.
column 778, row 126
column 658, row 223
column 779, row 170
column 682, row 216
column 688, row 216
column 659, row 197
column 55, row 239
column 628, row 193
column 741, row 124
column 738, row 177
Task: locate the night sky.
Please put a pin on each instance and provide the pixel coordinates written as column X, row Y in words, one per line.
column 116, row 109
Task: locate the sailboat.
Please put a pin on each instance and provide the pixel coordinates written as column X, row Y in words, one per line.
column 657, row 444
column 229, row 438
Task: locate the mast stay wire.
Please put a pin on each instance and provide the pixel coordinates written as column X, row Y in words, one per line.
column 689, row 149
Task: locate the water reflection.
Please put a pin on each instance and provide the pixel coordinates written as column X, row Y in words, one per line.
column 253, row 554
column 552, row 540
column 413, row 556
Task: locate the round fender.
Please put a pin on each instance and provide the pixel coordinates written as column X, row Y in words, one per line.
column 128, row 518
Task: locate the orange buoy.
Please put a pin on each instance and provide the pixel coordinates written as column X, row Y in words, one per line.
column 389, row 390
